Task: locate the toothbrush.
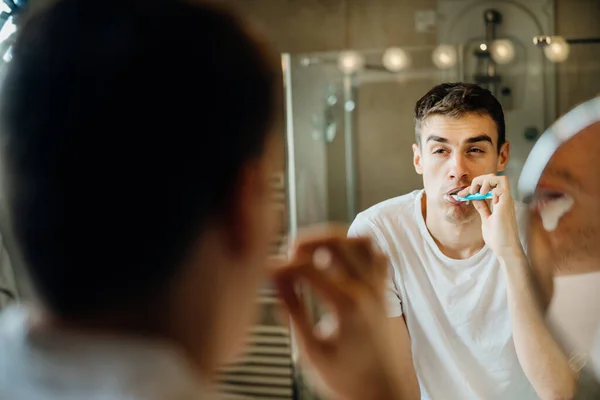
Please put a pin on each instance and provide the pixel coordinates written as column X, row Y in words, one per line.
column 476, row 196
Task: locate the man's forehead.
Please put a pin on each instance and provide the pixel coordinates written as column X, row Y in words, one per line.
column 463, row 126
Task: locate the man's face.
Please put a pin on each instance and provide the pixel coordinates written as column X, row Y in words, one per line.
column 572, row 247
column 231, row 261
column 452, row 152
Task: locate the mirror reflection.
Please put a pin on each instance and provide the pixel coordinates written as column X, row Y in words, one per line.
column 382, row 139
column 561, row 178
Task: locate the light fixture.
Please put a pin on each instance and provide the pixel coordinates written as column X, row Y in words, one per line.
column 350, row 62
column 557, row 49
column 395, row 59
column 444, row 56
column 502, row 51
column 483, row 47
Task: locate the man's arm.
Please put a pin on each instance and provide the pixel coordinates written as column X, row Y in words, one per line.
column 540, row 356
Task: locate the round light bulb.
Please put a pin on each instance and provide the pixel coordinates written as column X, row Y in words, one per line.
column 502, row 51
column 395, row 59
column 558, row 49
column 444, row 56
column 350, row 62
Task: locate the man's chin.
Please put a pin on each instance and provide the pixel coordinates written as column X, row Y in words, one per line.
column 460, row 213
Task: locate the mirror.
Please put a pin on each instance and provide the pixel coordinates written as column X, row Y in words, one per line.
column 560, row 181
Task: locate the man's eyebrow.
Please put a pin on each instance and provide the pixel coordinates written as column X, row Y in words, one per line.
column 435, row 138
column 480, row 138
column 565, row 175
column 475, row 139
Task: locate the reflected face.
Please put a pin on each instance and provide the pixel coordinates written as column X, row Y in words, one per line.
column 452, row 152
column 573, row 246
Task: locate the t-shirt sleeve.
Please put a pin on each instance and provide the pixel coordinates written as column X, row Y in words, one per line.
column 363, row 227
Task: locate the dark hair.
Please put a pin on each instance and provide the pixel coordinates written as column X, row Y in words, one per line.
column 457, row 99
column 125, row 127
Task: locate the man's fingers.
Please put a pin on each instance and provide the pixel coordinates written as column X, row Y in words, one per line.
column 500, row 195
column 482, row 208
column 484, row 184
column 286, row 286
column 324, row 284
column 316, row 233
column 353, row 256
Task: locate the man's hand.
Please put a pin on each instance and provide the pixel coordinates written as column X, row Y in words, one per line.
column 499, row 223
column 540, row 356
column 354, row 358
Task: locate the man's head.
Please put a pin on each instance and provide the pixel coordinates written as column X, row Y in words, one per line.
column 137, row 157
column 460, row 134
column 569, row 240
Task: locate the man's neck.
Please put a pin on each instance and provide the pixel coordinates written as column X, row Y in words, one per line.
column 457, row 241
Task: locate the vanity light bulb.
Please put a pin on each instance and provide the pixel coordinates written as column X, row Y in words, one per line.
column 444, row 56
column 396, row 59
column 502, row 51
column 558, row 49
column 350, row 62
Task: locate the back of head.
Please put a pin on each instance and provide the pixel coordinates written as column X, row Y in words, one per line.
column 457, row 99
column 125, row 126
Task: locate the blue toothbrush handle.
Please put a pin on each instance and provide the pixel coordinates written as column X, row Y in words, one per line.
column 476, row 196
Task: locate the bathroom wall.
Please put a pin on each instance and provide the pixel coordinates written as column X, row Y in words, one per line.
column 578, row 78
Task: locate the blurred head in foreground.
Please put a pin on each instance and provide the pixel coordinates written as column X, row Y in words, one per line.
column 138, row 145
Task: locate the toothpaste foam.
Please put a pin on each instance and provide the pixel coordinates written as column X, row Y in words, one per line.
column 554, row 210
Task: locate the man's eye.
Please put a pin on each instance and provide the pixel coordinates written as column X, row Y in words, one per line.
column 474, row 150
column 541, row 199
column 439, row 151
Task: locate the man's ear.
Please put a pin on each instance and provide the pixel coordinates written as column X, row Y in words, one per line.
column 417, row 159
column 240, row 219
column 503, row 156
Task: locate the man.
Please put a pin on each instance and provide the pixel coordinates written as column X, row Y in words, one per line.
column 565, row 243
column 138, row 148
column 460, row 296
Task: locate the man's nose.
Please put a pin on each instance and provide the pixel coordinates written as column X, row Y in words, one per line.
column 458, row 168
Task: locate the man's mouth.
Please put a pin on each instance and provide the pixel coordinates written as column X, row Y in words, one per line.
column 456, row 190
column 448, row 196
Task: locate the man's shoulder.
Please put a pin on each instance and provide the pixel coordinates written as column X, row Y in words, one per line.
column 400, row 207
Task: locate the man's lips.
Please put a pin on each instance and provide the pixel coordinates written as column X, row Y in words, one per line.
column 456, row 190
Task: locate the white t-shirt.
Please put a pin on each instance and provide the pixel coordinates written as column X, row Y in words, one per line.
column 456, row 311
column 574, row 318
column 60, row 366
